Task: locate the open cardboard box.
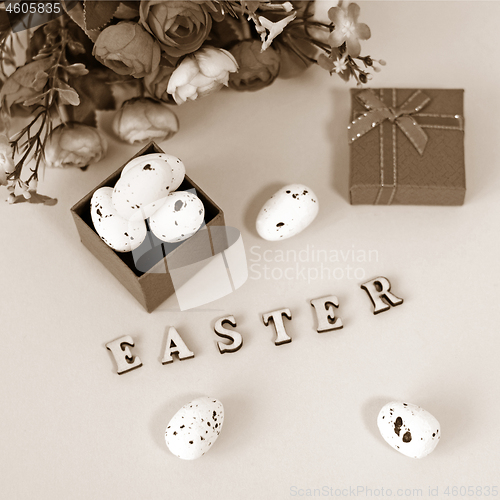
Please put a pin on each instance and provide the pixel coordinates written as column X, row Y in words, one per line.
column 153, row 286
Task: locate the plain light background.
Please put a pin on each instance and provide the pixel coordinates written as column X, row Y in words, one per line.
column 302, row 415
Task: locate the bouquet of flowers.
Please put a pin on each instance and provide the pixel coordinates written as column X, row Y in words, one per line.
column 81, row 56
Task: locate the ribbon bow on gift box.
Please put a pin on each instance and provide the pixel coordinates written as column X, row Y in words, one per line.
column 378, row 112
column 407, row 118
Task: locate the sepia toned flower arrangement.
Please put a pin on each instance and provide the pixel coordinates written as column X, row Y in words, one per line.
column 84, row 56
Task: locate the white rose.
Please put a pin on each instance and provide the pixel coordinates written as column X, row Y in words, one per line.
column 141, row 120
column 74, row 145
column 201, row 73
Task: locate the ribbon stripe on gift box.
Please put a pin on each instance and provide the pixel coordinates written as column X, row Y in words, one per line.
column 407, row 147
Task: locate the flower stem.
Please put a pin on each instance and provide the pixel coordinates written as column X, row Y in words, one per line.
column 63, row 113
column 245, row 28
column 314, row 24
column 297, row 51
column 321, row 45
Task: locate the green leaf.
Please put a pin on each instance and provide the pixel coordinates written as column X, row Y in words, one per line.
column 40, row 80
column 34, row 100
column 77, row 16
column 76, row 47
column 99, row 13
column 77, row 69
column 68, row 96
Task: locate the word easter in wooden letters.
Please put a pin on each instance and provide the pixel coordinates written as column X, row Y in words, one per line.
column 378, row 289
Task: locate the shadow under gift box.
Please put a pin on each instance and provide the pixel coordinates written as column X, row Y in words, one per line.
column 145, row 271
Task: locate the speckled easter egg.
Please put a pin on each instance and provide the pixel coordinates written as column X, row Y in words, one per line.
column 194, row 428
column 120, row 234
column 142, row 189
column 288, row 212
column 409, row 429
column 176, row 165
column 180, row 217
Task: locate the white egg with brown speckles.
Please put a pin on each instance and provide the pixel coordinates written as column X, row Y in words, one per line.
column 118, row 233
column 194, row 428
column 142, row 189
column 288, row 212
column 176, row 165
column 178, row 170
column 179, row 218
column 409, row 429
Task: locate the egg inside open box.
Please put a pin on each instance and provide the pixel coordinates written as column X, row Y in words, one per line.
column 145, row 272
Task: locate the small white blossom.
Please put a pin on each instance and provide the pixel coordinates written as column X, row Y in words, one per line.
column 6, row 161
column 274, row 29
column 340, row 65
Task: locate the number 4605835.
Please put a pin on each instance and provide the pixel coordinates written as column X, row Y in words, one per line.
column 471, row 491
column 33, row 7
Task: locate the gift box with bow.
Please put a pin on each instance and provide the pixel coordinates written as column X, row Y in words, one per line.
column 407, row 147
